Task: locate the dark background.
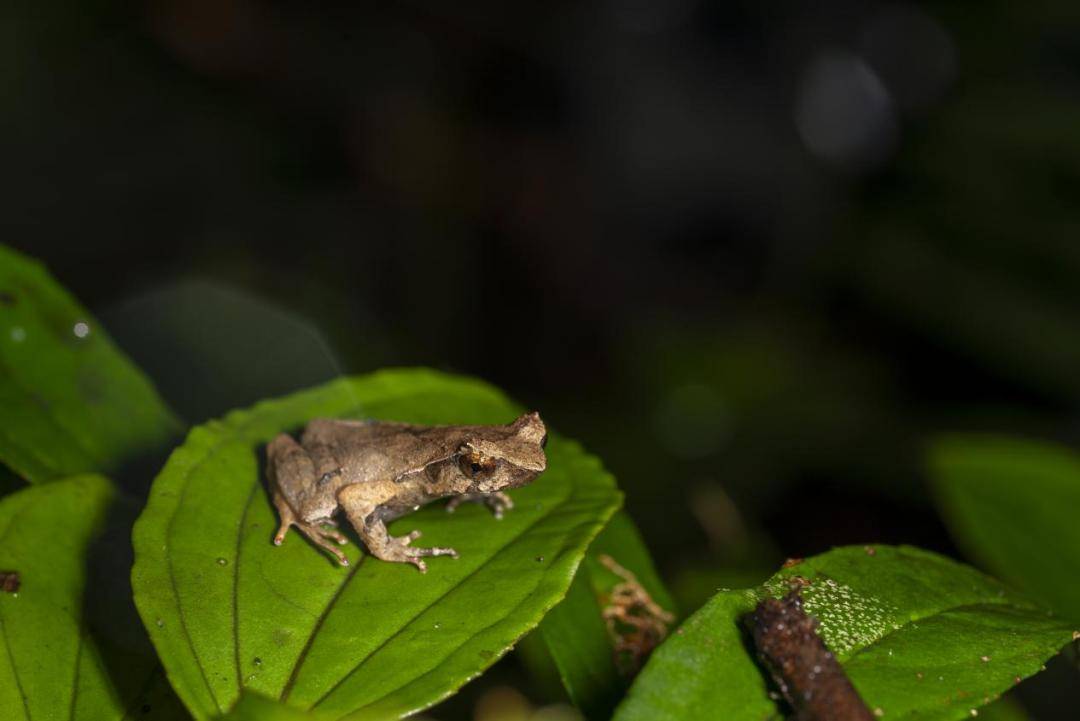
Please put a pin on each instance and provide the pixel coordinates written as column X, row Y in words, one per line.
column 752, row 254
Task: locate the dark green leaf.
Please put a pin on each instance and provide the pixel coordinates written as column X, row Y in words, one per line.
column 54, row 663
column 575, row 633
column 70, row 401
column 921, row 637
column 1003, row 710
column 1012, row 505
column 228, row 610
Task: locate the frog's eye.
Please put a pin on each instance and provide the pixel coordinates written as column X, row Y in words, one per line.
column 474, row 464
column 543, row 441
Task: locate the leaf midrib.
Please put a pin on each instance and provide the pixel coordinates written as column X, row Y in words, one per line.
column 520, row 603
column 511, row 541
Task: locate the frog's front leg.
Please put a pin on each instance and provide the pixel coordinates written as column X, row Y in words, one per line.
column 362, row 512
column 498, row 502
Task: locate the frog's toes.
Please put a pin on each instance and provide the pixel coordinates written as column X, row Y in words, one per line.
column 434, row 551
column 337, row 554
column 279, row 537
column 336, row 535
column 499, row 503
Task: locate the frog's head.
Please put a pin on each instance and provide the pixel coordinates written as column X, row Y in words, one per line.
column 510, row 456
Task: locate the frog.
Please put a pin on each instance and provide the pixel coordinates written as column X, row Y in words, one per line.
column 375, row 471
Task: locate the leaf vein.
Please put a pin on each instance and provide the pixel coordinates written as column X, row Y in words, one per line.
column 435, row 668
column 14, row 670
column 238, row 431
column 75, row 680
column 236, row 582
column 315, row 629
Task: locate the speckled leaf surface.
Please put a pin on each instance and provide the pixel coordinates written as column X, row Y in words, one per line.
column 70, row 400
column 921, row 637
column 55, row 663
column 1011, row 504
column 227, row 610
column 575, row 632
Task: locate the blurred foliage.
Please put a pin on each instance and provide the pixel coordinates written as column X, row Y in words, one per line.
column 72, row 402
column 1011, row 504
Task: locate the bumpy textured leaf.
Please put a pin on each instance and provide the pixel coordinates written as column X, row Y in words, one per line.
column 574, row 631
column 55, row 661
column 921, row 637
column 1012, row 505
column 70, row 401
column 228, row 610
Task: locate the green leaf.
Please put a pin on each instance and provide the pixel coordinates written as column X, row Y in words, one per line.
column 55, row 661
column 1012, row 505
column 228, row 610
column 575, row 632
column 70, row 401
column 921, row 637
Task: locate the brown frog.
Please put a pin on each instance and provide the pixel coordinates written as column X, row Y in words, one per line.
column 377, row 471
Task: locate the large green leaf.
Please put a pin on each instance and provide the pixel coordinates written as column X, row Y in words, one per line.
column 921, row 637
column 575, row 632
column 1012, row 505
column 228, row 610
column 70, row 401
column 60, row 659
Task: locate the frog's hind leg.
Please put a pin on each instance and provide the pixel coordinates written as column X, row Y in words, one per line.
column 287, row 468
column 321, row 537
column 285, row 513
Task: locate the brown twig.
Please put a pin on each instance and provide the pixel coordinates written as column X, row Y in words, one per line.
column 635, row 622
column 806, row 672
